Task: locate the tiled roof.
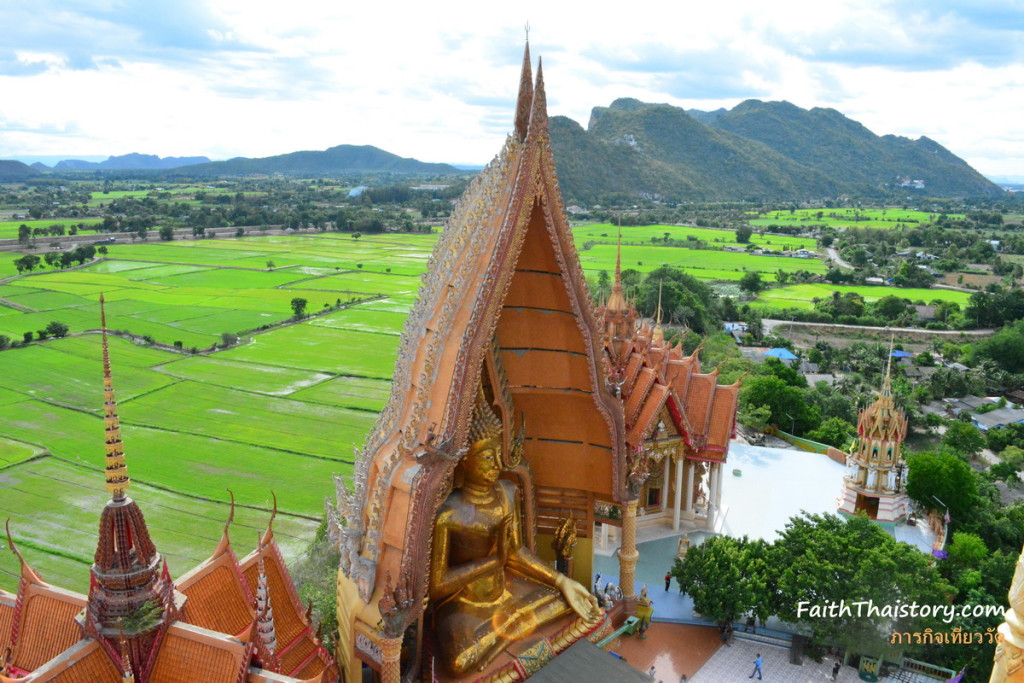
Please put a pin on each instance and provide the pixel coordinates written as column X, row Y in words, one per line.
column 189, row 653
column 46, row 625
column 84, row 662
column 217, row 600
column 6, row 618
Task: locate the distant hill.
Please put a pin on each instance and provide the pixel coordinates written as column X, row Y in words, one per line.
column 755, row 150
column 129, row 162
column 15, row 171
column 334, row 161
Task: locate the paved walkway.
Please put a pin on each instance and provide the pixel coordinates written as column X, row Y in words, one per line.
column 736, row 662
column 674, row 650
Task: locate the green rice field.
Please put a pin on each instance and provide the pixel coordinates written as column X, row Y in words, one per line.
column 803, row 296
column 9, row 229
column 280, row 412
column 886, row 219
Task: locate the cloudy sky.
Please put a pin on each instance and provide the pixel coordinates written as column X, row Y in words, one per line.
column 437, row 80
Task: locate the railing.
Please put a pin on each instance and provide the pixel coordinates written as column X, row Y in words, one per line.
column 926, row 669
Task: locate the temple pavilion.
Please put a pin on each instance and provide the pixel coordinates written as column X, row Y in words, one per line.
column 595, row 412
column 875, row 481
column 225, row 621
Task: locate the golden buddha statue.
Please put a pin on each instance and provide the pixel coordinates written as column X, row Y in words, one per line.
column 488, row 590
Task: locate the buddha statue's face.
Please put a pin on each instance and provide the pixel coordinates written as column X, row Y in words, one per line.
column 483, row 462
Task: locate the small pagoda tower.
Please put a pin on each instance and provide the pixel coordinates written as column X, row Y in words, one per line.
column 131, row 595
column 875, row 481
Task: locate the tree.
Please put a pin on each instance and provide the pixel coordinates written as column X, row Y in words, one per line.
column 964, row 438
column 24, row 233
column 942, row 476
column 228, row 339
column 718, row 575
column 834, row 431
column 751, row 282
column 28, row 262
column 823, row 560
column 788, row 408
column 743, row 234
column 57, row 329
column 5, row 342
column 299, row 306
column 166, row 233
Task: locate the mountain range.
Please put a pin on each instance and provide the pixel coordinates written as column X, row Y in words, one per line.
column 333, row 161
column 125, row 162
column 756, row 150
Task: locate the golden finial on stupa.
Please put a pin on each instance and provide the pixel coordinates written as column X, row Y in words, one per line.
column 116, row 468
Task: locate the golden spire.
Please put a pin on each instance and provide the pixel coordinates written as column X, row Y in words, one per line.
column 887, row 381
column 617, row 299
column 116, row 469
column 659, row 334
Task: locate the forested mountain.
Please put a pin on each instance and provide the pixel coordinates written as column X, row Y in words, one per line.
column 756, row 150
column 15, row 171
column 336, row 160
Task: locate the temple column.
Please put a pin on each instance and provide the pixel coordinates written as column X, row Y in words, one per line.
column 688, row 502
column 391, row 665
column 680, row 464
column 714, row 482
column 628, row 553
column 664, row 483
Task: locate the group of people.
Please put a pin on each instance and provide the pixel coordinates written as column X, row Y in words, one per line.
column 609, row 595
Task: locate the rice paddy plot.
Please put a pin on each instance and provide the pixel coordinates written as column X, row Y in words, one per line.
column 49, row 301
column 349, row 392
column 107, row 266
column 229, row 321
column 77, row 319
column 157, row 271
column 9, row 229
column 359, row 318
column 67, row 433
column 361, row 281
column 183, row 252
column 803, row 296
column 54, row 509
column 608, row 234
column 322, row 349
column 228, row 278
column 646, row 259
column 399, row 303
column 206, row 467
column 264, row 379
column 12, row 452
column 295, row 426
column 46, row 374
column 123, row 353
column 885, row 219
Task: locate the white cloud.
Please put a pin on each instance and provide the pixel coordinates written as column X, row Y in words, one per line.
column 241, row 78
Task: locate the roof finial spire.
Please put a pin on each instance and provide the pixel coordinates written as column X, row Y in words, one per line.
column 617, row 299
column 116, row 468
column 659, row 334
column 887, row 381
column 525, row 101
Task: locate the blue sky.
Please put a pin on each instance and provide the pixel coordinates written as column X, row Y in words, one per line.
column 437, row 81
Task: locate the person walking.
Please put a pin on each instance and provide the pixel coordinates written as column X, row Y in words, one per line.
column 835, row 670
column 668, row 580
column 757, row 667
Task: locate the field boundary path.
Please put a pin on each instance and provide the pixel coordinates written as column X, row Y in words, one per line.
column 770, row 325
